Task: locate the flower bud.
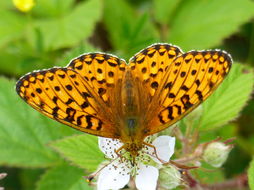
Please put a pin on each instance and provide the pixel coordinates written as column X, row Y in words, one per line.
column 24, row 5
column 169, row 177
column 216, row 154
column 3, row 175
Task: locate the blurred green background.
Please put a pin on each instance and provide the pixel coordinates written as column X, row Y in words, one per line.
column 53, row 32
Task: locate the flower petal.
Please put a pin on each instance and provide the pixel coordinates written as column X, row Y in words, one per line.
column 147, row 177
column 108, row 146
column 164, row 148
column 114, row 176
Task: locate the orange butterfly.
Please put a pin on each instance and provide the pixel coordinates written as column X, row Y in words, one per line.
column 100, row 94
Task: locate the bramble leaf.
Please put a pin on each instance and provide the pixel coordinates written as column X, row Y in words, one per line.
column 63, row 177
column 164, row 10
column 229, row 99
column 204, row 24
column 25, row 133
column 251, row 175
column 81, row 150
column 130, row 32
column 70, row 29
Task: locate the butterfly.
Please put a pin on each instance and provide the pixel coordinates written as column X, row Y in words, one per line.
column 102, row 95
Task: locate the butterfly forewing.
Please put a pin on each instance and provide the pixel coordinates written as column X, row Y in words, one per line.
column 62, row 94
column 103, row 72
column 151, row 64
column 191, row 78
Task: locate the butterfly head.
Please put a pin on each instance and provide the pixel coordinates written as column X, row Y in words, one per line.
column 133, row 148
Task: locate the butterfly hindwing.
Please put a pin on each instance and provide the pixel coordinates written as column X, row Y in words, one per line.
column 191, row 78
column 62, row 94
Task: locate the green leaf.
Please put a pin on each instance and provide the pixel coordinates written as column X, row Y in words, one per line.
column 75, row 52
column 63, row 177
column 226, row 132
column 251, row 175
column 246, row 143
column 237, row 162
column 130, row 32
column 228, row 100
column 24, row 132
column 203, row 24
column 120, row 27
column 12, row 26
column 25, row 59
column 138, row 37
column 164, row 9
column 70, row 29
column 29, row 177
column 211, row 177
column 46, row 8
column 81, row 150
column 6, row 4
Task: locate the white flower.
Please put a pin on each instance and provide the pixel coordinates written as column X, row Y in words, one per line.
column 117, row 173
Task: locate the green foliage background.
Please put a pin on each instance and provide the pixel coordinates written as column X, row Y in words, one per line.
column 55, row 31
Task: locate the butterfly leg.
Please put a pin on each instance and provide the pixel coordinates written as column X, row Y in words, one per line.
column 119, row 155
column 181, row 167
column 117, row 151
column 93, row 175
column 155, row 152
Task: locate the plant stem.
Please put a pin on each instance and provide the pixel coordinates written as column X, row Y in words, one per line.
column 239, row 182
column 164, row 32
